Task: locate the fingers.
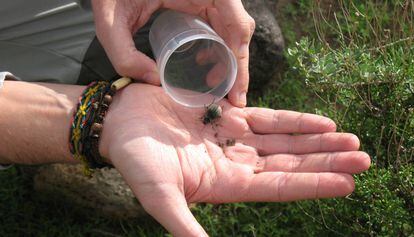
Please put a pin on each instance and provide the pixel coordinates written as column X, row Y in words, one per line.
column 231, row 21
column 218, row 72
column 114, row 31
column 302, row 144
column 208, row 55
column 168, row 206
column 216, row 57
column 216, row 75
column 282, row 187
column 343, row 162
column 237, row 32
column 238, row 94
column 240, row 27
column 265, row 121
column 351, row 162
column 128, row 61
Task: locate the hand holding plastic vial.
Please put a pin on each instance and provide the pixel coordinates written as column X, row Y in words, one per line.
column 196, row 67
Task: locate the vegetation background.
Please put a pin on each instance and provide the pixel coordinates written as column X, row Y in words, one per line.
column 350, row 60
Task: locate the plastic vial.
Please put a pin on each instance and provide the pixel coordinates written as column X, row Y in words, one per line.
column 196, row 66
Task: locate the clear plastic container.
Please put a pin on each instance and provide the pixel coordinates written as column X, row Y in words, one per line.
column 196, row 67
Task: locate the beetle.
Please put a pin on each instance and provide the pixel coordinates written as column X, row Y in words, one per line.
column 212, row 113
column 231, row 142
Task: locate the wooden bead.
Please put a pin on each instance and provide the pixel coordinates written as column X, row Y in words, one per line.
column 97, row 127
column 107, row 99
column 121, row 83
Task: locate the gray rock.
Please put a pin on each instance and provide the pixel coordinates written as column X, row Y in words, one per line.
column 266, row 48
column 105, row 192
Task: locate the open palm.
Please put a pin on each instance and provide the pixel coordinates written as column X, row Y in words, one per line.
column 170, row 158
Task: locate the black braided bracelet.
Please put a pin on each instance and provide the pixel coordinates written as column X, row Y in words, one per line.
column 87, row 123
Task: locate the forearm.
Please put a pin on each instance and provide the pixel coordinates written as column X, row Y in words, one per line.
column 35, row 121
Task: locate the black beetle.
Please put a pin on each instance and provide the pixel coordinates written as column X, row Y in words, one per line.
column 212, row 114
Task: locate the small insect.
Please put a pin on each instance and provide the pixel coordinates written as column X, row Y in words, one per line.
column 212, row 114
column 231, row 142
column 221, row 145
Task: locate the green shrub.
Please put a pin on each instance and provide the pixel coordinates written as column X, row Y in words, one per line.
column 366, row 92
column 359, row 70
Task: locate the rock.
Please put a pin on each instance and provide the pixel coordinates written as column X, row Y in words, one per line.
column 266, row 48
column 105, row 192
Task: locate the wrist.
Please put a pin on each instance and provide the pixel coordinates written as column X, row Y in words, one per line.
column 88, row 121
column 110, row 124
column 108, row 127
column 34, row 120
column 136, row 104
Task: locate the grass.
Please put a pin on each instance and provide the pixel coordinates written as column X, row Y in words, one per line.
column 352, row 61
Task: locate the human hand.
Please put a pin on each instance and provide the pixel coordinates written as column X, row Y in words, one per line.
column 117, row 21
column 169, row 158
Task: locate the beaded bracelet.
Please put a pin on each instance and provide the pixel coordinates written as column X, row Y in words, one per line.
column 87, row 122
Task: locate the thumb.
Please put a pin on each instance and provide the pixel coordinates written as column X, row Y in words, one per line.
column 168, row 206
column 135, row 64
column 127, row 60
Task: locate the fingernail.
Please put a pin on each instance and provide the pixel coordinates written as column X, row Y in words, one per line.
column 151, row 77
column 244, row 49
column 242, row 98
